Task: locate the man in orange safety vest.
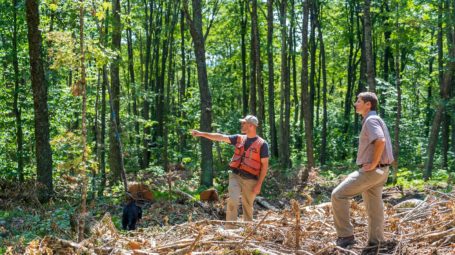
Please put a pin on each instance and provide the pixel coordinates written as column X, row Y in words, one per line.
column 249, row 166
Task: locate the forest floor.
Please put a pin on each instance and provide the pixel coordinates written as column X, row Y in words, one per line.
column 417, row 222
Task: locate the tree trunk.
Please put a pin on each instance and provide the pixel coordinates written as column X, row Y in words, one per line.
column 182, row 87
column 195, row 24
column 444, row 91
column 102, row 158
column 323, row 153
column 243, row 21
column 293, row 65
column 387, row 55
column 170, row 22
column 368, row 47
column 129, row 37
column 429, row 110
column 39, row 87
column 253, row 81
column 352, row 70
column 84, row 125
column 312, row 60
column 257, row 73
column 305, row 111
column 285, row 91
column 114, row 131
column 16, row 108
column 271, row 88
column 147, row 81
column 396, row 145
column 160, row 99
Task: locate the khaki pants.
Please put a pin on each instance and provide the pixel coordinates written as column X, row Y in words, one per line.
column 370, row 185
column 239, row 186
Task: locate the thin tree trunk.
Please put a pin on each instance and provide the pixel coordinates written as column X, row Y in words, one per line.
column 271, row 88
column 253, row 81
column 160, row 102
column 285, row 91
column 396, row 145
column 182, row 87
column 104, row 85
column 429, row 110
column 312, row 60
column 129, row 37
column 292, row 63
column 305, row 111
column 387, row 54
column 114, row 131
column 146, row 103
column 243, row 21
column 39, row 87
column 444, row 91
column 323, row 153
column 195, row 24
column 173, row 13
column 256, row 44
column 16, row 108
column 368, row 47
column 84, row 125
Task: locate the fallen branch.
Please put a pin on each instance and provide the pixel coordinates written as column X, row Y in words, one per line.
column 262, row 202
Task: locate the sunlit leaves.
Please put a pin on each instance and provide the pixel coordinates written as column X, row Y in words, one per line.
column 63, row 51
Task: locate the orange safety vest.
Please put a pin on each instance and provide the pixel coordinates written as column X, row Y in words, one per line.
column 249, row 160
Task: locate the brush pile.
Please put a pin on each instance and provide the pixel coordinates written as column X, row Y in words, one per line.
column 412, row 227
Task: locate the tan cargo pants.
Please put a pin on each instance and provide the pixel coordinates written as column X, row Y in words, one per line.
column 239, row 186
column 370, row 185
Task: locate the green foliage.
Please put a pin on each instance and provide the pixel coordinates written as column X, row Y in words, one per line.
column 413, row 179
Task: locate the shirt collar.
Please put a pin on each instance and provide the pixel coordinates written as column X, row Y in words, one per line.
column 371, row 113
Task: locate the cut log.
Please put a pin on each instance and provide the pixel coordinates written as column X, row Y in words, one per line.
column 262, row 202
column 209, row 195
column 139, row 192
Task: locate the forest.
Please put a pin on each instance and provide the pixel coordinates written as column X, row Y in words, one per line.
column 100, row 96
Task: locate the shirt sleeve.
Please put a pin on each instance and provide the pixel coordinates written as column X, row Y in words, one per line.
column 374, row 130
column 265, row 150
column 233, row 139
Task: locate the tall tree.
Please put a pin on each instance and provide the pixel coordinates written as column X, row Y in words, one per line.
column 396, row 136
column 323, row 154
column 39, row 87
column 254, row 65
column 129, row 39
column 104, row 85
column 182, row 85
column 83, row 83
column 305, row 111
column 285, row 110
column 388, row 58
column 271, row 86
column 115, row 157
column 147, row 84
column 353, row 63
column 367, row 27
column 243, row 21
column 444, row 90
column 257, row 67
column 16, row 108
column 195, row 26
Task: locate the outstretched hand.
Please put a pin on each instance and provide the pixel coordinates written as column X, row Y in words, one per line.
column 195, row 133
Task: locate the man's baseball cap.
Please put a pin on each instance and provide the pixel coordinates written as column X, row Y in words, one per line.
column 250, row 119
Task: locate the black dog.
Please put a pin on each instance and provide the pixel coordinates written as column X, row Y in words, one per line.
column 131, row 214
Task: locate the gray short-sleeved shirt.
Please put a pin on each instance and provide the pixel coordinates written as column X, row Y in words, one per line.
column 373, row 127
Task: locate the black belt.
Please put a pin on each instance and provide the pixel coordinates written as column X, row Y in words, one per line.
column 379, row 165
column 244, row 174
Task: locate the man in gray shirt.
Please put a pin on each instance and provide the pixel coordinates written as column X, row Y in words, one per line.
column 373, row 158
